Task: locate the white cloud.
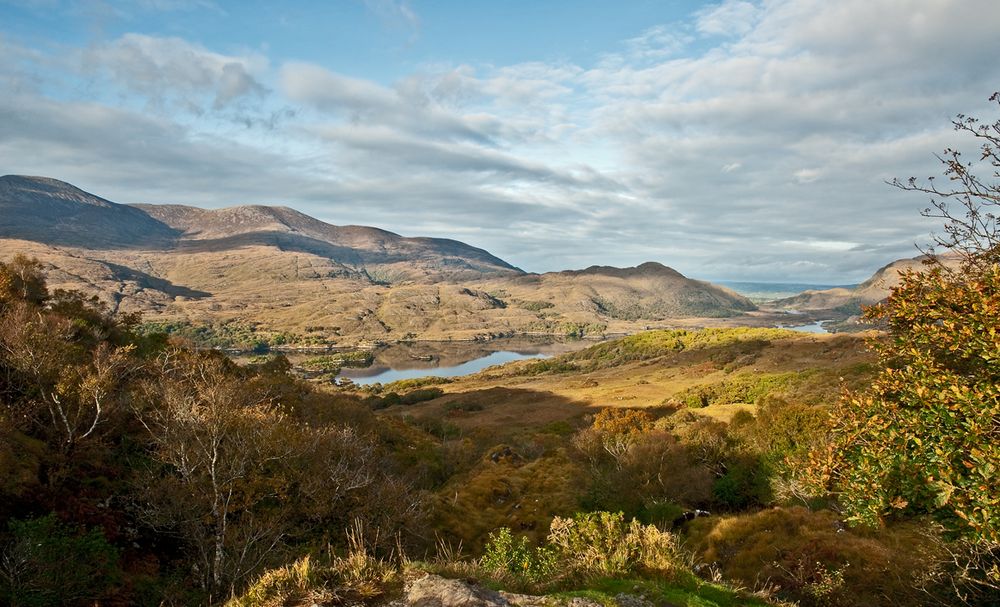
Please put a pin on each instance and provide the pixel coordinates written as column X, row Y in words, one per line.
column 731, row 18
column 172, row 70
column 758, row 150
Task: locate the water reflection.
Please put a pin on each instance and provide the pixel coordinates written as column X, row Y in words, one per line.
column 453, row 358
column 816, row 327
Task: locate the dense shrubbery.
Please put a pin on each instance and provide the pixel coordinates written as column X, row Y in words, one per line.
column 813, row 558
column 197, row 472
column 235, row 335
column 585, row 546
column 744, row 388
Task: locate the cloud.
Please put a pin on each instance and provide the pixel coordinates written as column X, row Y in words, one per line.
column 396, row 14
column 751, row 140
column 407, row 108
column 172, row 71
column 731, row 18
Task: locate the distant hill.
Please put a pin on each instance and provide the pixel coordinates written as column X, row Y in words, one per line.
column 650, row 291
column 850, row 300
column 277, row 272
column 56, row 213
column 356, row 247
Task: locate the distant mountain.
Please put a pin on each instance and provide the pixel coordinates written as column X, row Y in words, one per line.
column 357, row 247
column 650, row 291
column 850, row 300
column 278, row 271
column 56, row 213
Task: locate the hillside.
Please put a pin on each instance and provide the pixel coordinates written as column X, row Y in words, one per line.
column 849, row 301
column 56, row 213
column 261, row 273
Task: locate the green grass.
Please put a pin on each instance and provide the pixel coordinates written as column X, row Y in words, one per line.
column 747, row 388
column 404, row 385
column 654, row 344
column 686, row 591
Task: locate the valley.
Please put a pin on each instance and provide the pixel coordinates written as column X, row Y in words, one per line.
column 494, row 423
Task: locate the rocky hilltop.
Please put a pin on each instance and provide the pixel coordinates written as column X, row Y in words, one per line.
column 279, row 271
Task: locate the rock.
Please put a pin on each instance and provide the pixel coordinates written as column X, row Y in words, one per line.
column 631, row 600
column 527, row 600
column 436, row 591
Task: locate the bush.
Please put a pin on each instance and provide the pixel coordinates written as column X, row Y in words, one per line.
column 746, row 483
column 421, row 395
column 813, row 558
column 603, row 544
column 354, row 578
column 505, row 555
column 47, row 562
column 584, row 547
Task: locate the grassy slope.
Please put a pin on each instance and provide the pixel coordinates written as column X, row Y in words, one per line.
column 647, row 370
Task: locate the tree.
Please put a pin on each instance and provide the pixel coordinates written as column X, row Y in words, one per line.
column 924, row 437
column 225, row 450
column 968, row 206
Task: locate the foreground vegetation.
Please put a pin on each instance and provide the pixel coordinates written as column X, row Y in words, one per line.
column 137, row 470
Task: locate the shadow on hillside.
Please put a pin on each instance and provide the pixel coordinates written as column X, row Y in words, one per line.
column 499, row 411
column 148, row 281
column 345, row 255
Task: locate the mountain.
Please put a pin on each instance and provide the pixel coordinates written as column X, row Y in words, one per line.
column 849, row 301
column 56, row 213
column 356, row 247
column 278, row 273
column 650, row 291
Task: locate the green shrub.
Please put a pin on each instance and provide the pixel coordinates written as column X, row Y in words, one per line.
column 51, row 563
column 505, row 554
column 604, row 544
column 421, row 395
column 751, row 388
column 746, row 483
column 403, row 385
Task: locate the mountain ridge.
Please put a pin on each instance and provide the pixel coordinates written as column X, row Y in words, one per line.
column 281, row 270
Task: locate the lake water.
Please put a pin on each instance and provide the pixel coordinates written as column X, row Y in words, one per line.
column 816, row 327
column 381, row 374
column 454, row 358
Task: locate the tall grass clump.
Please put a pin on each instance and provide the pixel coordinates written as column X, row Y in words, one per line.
column 584, row 547
column 356, row 577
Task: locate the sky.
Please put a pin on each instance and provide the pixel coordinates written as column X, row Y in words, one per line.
column 736, row 140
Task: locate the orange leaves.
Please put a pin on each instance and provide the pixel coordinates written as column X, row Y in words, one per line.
column 939, row 389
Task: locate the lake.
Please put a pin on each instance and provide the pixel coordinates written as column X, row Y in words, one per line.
column 453, row 359
column 382, row 375
column 816, row 327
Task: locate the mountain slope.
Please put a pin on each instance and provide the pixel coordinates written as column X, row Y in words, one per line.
column 354, row 246
column 871, row 291
column 650, row 291
column 56, row 213
column 276, row 270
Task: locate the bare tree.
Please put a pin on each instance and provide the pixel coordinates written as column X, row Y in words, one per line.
column 71, row 390
column 969, row 204
column 225, row 450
